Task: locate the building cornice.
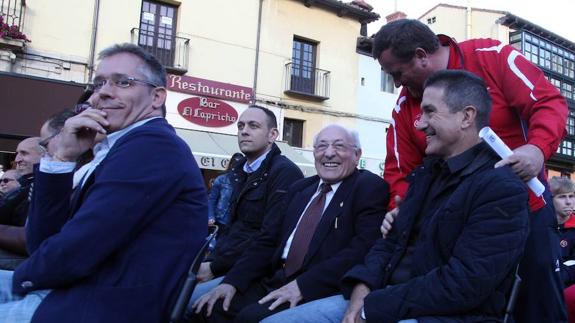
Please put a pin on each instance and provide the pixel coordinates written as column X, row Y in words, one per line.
column 514, row 22
column 342, row 9
column 443, row 5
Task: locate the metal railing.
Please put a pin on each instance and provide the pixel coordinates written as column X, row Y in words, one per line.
column 12, row 12
column 172, row 51
column 303, row 80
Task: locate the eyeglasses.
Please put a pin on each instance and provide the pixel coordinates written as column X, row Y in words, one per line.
column 6, row 180
column 337, row 146
column 43, row 144
column 121, row 81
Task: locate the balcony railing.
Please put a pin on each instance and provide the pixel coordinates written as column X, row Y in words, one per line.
column 13, row 12
column 306, row 81
column 172, row 51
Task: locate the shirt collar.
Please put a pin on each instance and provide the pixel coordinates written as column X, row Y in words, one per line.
column 334, row 186
column 464, row 159
column 255, row 165
column 455, row 56
column 111, row 139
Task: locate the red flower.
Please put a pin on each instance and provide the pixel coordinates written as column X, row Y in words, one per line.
column 11, row 32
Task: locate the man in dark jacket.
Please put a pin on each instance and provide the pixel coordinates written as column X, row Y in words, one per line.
column 117, row 247
column 14, row 206
column 461, row 230
column 261, row 180
column 328, row 224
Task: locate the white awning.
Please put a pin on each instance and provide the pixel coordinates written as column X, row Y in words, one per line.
column 213, row 150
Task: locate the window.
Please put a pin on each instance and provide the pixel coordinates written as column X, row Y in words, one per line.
column 566, row 148
column 387, row 84
column 157, row 30
column 570, row 126
column 567, row 90
column 546, row 54
column 545, row 58
column 555, row 82
column 431, row 20
column 293, row 132
column 303, row 66
column 569, row 66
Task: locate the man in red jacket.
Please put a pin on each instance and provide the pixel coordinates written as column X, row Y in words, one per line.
column 529, row 114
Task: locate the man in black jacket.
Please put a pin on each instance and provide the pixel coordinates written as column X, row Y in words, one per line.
column 14, row 206
column 328, row 224
column 261, row 180
column 452, row 253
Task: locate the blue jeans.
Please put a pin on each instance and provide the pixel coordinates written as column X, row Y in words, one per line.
column 201, row 290
column 325, row 310
column 15, row 308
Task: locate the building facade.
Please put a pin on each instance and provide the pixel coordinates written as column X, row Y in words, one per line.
column 555, row 55
column 296, row 57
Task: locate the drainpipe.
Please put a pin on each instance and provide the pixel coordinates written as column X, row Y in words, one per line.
column 92, row 54
column 255, row 86
column 468, row 25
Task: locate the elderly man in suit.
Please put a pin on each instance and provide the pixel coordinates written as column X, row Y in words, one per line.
column 453, row 251
column 329, row 223
column 116, row 248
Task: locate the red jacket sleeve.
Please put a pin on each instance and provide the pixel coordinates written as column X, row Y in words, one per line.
column 405, row 147
column 526, row 88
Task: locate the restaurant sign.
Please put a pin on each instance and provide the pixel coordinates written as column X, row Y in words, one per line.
column 197, row 86
column 207, row 112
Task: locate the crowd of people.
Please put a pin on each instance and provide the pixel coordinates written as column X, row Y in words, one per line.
column 105, row 211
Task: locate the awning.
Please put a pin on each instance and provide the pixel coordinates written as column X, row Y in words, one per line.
column 213, row 150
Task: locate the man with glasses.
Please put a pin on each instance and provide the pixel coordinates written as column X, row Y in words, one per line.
column 14, row 207
column 11, row 189
column 13, row 237
column 9, row 182
column 116, row 247
column 328, row 223
column 454, row 248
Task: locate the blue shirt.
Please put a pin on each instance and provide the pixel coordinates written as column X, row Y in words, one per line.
column 48, row 165
column 250, row 168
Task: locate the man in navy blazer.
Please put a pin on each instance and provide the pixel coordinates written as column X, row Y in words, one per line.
column 116, row 248
column 261, row 282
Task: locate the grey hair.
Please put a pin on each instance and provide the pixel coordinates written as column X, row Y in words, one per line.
column 354, row 135
column 153, row 69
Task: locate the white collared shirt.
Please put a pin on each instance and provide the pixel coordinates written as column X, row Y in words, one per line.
column 328, row 196
column 48, row 165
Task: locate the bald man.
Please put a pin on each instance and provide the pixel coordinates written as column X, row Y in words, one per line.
column 14, row 208
column 28, row 153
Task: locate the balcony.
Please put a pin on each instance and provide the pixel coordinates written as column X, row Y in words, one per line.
column 12, row 14
column 172, row 51
column 307, row 82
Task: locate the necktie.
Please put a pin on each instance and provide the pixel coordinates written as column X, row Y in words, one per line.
column 305, row 230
